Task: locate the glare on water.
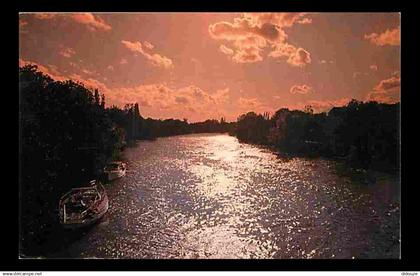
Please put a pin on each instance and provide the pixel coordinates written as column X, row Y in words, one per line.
column 209, row 196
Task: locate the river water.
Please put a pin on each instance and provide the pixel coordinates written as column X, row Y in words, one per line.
column 209, row 196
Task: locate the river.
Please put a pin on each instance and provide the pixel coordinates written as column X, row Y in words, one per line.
column 209, row 196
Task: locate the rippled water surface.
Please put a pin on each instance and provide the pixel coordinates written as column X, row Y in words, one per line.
column 208, row 196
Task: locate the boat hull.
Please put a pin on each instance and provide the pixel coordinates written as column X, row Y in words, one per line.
column 75, row 204
column 88, row 222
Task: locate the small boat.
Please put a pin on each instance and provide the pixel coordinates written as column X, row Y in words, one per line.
column 83, row 206
column 115, row 170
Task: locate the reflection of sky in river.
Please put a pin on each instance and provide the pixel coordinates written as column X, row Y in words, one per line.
column 208, row 196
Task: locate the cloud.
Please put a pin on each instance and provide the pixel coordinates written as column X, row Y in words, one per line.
column 300, row 58
column 389, row 37
column 67, row 52
column 48, row 70
column 88, row 72
column 386, row 91
column 221, row 96
column 53, row 72
column 382, row 97
column 250, row 33
column 374, row 67
column 248, row 55
column 133, row 46
column 242, row 28
column 91, row 83
column 305, row 21
column 154, row 59
column 148, row 45
column 279, row 19
column 93, row 22
column 226, row 50
column 166, row 102
column 45, row 16
column 301, row 89
column 110, row 68
column 295, row 56
column 123, row 61
column 249, row 103
column 388, row 84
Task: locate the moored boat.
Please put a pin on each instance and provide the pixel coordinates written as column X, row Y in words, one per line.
column 115, row 170
column 83, row 206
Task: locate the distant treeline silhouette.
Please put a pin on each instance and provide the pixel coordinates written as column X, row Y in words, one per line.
column 365, row 135
column 67, row 136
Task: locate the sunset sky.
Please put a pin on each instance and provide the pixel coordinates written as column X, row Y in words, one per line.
column 208, row 65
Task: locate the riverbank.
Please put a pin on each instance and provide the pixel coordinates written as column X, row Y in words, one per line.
column 352, row 132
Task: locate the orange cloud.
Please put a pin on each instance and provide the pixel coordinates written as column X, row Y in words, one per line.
column 43, row 16
column 243, row 27
column 248, row 54
column 295, row 56
column 382, row 97
column 52, row 72
column 389, row 37
column 226, row 50
column 305, row 21
column 374, row 67
column 92, row 22
column 91, row 83
column 155, row 59
column 300, row 58
column 386, row 91
column 48, row 70
column 67, row 52
column 301, row 89
column 252, row 32
column 388, row 84
column 174, row 102
column 148, row 45
column 249, row 103
column 88, row 72
column 133, row 46
column 280, row 19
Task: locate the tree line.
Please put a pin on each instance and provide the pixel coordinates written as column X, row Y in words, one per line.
column 363, row 134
